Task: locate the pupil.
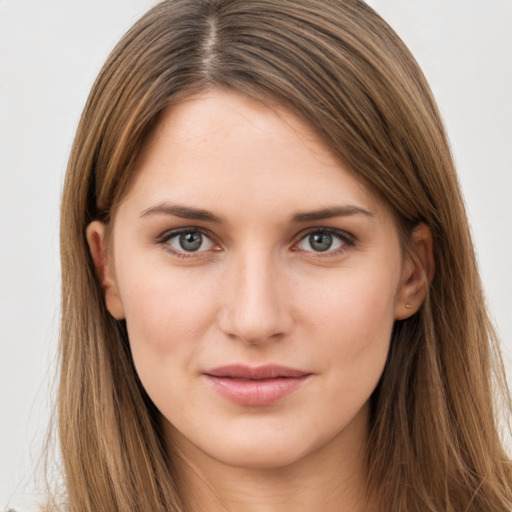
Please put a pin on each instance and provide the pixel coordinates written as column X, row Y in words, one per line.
column 320, row 241
column 191, row 241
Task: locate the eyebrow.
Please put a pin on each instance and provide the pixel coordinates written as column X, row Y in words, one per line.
column 188, row 212
column 330, row 212
column 184, row 212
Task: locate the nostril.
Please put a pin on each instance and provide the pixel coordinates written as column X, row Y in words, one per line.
column 255, row 326
column 255, row 308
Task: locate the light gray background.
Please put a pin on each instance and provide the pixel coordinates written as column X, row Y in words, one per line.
column 50, row 53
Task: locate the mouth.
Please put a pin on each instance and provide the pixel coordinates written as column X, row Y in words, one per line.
column 256, row 386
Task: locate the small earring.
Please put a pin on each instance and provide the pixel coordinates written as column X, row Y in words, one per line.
column 408, row 306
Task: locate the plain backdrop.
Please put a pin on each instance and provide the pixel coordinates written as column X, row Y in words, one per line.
column 50, row 53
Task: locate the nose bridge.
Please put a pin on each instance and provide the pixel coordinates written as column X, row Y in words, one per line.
column 255, row 308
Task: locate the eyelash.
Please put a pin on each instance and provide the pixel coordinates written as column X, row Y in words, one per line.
column 164, row 238
column 347, row 240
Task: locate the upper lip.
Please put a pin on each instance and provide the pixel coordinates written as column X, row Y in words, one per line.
column 270, row 371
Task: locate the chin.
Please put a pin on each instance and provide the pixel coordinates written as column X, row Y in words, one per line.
column 262, row 448
column 263, row 454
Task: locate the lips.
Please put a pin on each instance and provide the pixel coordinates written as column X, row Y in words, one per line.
column 255, row 386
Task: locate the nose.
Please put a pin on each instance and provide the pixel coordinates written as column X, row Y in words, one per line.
column 256, row 308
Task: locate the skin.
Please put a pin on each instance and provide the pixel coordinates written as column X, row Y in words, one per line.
column 257, row 292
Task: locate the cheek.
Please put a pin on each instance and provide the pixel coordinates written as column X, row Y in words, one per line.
column 353, row 322
column 167, row 316
column 354, row 303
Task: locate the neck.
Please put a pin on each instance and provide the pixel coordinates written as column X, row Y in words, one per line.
column 331, row 478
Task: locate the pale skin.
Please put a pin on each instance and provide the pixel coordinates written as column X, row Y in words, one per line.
column 242, row 240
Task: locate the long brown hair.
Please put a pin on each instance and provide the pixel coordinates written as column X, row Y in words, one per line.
column 434, row 443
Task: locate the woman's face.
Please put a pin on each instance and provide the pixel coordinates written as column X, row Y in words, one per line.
column 259, row 281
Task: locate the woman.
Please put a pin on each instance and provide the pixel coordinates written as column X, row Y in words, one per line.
column 270, row 297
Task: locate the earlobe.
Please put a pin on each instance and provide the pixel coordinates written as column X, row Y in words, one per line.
column 95, row 234
column 417, row 272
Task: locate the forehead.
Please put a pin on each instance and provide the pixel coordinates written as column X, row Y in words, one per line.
column 226, row 146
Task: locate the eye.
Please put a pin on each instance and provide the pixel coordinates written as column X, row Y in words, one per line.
column 187, row 241
column 324, row 240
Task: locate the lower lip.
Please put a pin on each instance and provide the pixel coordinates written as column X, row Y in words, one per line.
column 256, row 393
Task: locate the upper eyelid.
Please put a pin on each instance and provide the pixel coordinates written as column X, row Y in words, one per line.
column 170, row 233
column 303, row 232
column 324, row 229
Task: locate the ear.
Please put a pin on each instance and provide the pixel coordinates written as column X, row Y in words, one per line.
column 417, row 272
column 95, row 234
